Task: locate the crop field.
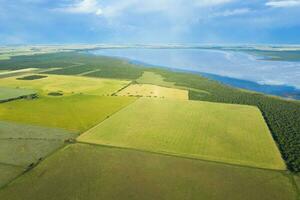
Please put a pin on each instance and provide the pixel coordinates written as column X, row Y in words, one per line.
column 218, row 132
column 68, row 84
column 8, row 172
column 7, row 94
column 155, row 79
column 9, row 130
column 23, row 152
column 22, row 145
column 146, row 90
column 92, row 172
column 74, row 113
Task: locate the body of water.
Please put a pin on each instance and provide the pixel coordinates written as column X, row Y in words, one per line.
column 234, row 68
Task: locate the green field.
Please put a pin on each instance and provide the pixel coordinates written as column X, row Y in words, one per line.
column 155, row 79
column 9, row 172
column 218, row 132
column 7, row 94
column 74, row 113
column 91, row 172
column 23, row 152
column 150, row 91
column 9, row 130
column 67, row 84
column 22, row 145
column 297, row 180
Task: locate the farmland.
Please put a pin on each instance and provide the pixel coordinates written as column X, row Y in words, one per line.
column 67, row 84
column 154, row 79
column 142, row 133
column 74, row 113
column 21, row 145
column 192, row 129
column 108, row 173
column 11, row 130
column 8, row 173
column 8, row 94
column 146, row 90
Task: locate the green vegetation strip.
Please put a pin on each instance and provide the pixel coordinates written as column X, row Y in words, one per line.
column 218, row 132
column 32, row 77
column 91, row 172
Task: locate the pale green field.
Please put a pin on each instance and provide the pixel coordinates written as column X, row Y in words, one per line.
column 12, row 93
column 155, row 79
column 9, row 130
column 91, row 172
column 75, row 113
column 23, row 152
column 67, row 84
column 146, row 90
column 217, row 132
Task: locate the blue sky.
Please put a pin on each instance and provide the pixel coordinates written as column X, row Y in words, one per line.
column 150, row 21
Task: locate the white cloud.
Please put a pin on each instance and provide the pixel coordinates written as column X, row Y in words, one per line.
column 208, row 3
column 283, row 3
column 83, row 7
column 114, row 8
column 227, row 13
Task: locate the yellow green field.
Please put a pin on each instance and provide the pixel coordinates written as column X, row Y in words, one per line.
column 75, row 113
column 91, row 172
column 146, row 90
column 67, row 84
column 217, row 132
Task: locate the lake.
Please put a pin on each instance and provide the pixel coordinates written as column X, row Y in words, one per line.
column 231, row 67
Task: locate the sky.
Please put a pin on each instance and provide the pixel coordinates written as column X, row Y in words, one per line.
column 150, row 21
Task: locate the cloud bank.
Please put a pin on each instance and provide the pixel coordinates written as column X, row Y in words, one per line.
column 155, row 21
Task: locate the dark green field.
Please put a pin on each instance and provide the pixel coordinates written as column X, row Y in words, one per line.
column 94, row 172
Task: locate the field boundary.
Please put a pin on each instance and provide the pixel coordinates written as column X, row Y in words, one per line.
column 98, row 124
column 181, row 156
column 34, row 166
